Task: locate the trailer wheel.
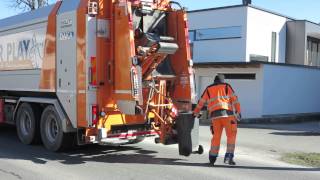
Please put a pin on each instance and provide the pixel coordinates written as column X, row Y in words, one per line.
column 27, row 123
column 52, row 134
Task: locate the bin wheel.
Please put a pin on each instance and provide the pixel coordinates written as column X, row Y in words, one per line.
column 136, row 141
column 200, row 149
column 157, row 140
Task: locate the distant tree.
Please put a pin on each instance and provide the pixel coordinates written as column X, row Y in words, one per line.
column 28, row 5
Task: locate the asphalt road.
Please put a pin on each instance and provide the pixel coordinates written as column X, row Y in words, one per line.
column 255, row 159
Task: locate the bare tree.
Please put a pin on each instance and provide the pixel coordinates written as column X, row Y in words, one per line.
column 28, row 5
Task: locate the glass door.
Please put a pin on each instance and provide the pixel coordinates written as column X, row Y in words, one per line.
column 314, row 54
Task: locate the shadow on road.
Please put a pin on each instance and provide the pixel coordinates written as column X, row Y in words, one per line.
column 289, row 129
column 11, row 148
column 296, row 133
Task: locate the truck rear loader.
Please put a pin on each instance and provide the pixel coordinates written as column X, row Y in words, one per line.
column 96, row 71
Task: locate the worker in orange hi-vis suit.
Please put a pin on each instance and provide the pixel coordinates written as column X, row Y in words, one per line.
column 224, row 111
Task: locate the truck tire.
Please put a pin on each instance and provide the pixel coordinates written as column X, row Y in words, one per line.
column 138, row 140
column 52, row 135
column 27, row 123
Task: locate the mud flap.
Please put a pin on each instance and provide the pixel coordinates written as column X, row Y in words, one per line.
column 188, row 134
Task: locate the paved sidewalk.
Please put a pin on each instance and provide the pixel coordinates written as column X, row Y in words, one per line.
column 272, row 140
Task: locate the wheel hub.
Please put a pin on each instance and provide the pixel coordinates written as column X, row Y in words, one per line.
column 52, row 129
column 25, row 124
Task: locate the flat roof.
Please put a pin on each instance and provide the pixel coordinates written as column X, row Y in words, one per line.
column 307, row 21
column 247, row 64
column 241, row 5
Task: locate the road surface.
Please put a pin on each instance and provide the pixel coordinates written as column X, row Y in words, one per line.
column 257, row 155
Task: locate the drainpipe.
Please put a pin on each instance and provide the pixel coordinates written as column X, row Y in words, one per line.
column 246, row 2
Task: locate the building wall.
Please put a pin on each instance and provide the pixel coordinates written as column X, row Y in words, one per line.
column 219, row 50
column 290, row 90
column 256, row 34
column 296, row 44
column 312, row 29
column 261, row 24
column 249, row 91
column 277, row 89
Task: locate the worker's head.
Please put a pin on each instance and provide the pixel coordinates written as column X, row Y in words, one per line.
column 219, row 78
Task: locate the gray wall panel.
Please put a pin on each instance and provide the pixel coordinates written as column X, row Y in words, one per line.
column 22, row 80
column 296, row 42
column 67, row 63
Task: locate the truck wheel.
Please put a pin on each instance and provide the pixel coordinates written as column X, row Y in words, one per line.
column 52, row 134
column 138, row 140
column 27, row 123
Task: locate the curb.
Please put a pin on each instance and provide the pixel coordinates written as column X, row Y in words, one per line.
column 275, row 119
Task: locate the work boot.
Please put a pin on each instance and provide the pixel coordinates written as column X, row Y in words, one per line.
column 228, row 159
column 212, row 159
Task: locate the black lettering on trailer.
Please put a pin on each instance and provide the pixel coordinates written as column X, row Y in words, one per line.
column 1, row 52
column 9, row 51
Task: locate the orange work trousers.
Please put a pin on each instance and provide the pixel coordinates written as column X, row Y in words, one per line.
column 230, row 126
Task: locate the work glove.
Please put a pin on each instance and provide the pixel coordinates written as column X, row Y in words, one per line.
column 196, row 115
column 238, row 117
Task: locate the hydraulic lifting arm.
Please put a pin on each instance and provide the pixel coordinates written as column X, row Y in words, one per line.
column 163, row 59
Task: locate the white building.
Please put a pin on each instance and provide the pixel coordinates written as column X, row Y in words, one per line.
column 263, row 54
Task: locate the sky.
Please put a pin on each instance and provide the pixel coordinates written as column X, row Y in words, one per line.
column 299, row 9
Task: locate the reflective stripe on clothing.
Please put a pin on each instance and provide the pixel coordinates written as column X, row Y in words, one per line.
column 218, row 97
column 223, row 105
column 231, row 148
column 215, row 148
column 236, row 102
column 228, row 97
column 202, row 101
column 213, row 154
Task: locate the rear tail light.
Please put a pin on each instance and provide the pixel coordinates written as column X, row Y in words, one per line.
column 93, row 71
column 95, row 114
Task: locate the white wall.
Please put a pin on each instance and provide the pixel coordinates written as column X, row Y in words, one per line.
column 277, row 90
column 249, row 91
column 261, row 24
column 220, row 50
column 290, row 90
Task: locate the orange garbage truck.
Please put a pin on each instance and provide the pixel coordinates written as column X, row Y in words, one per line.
column 96, row 71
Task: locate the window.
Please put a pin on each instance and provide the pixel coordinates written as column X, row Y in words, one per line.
column 273, row 46
column 240, row 76
column 256, row 57
column 191, row 36
column 218, row 33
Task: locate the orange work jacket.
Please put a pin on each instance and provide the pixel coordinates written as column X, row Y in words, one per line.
column 219, row 97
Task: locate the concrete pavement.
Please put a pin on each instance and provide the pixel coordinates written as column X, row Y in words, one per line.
column 257, row 157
